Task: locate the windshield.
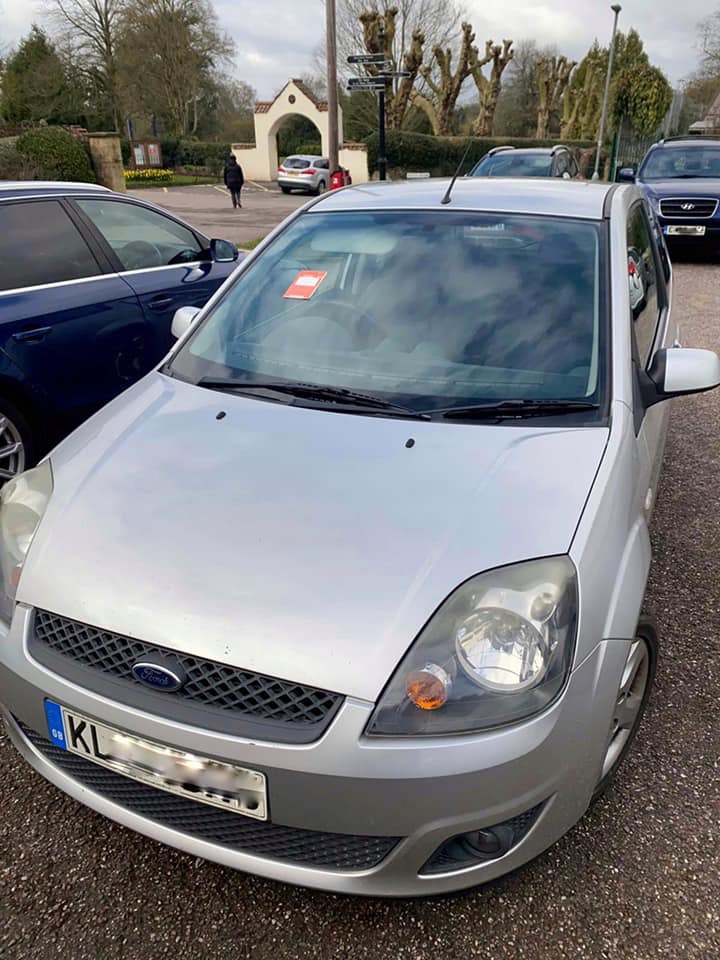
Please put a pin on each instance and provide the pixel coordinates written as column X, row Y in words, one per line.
column 425, row 309
column 296, row 163
column 512, row 165
column 681, row 162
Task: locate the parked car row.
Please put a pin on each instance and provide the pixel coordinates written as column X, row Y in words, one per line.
column 89, row 282
column 347, row 590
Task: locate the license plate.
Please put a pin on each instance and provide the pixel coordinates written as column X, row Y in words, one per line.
column 210, row 781
column 292, row 173
column 683, row 231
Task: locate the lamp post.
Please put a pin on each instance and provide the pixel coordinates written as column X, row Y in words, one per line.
column 332, row 92
column 616, row 8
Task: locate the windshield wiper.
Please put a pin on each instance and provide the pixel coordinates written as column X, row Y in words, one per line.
column 312, row 391
column 509, row 409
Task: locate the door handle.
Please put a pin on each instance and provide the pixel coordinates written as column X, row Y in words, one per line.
column 159, row 303
column 33, row 335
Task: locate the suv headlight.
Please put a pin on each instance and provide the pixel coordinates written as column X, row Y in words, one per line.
column 497, row 651
column 23, row 502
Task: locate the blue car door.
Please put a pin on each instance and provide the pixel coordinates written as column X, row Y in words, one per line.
column 73, row 329
column 166, row 263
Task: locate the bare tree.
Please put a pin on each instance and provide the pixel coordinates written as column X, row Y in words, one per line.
column 91, row 28
column 553, row 76
column 169, row 52
column 439, row 21
column 489, row 89
column 445, row 85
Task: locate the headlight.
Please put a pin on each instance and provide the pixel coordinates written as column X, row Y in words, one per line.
column 497, row 651
column 23, row 502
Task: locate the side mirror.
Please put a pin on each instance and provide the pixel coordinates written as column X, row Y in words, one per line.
column 182, row 321
column 222, row 251
column 626, row 175
column 681, row 371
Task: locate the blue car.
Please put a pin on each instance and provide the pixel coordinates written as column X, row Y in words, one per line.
column 89, row 283
column 680, row 177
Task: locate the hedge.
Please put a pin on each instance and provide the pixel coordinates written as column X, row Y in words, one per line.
column 440, row 156
column 208, row 155
column 56, row 154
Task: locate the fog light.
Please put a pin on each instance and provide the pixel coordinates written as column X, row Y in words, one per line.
column 481, row 846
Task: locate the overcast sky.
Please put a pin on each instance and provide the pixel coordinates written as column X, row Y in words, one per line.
column 276, row 39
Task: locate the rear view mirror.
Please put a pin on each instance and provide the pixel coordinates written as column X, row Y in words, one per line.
column 681, row 371
column 626, row 175
column 222, row 251
column 182, row 321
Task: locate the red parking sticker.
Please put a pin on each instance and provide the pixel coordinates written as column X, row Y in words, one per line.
column 304, row 285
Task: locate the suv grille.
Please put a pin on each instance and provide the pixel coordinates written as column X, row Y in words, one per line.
column 64, row 644
column 334, row 851
column 692, row 207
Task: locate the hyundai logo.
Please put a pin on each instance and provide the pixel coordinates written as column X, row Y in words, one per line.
column 687, row 206
column 159, row 677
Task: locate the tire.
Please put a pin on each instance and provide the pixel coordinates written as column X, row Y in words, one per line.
column 646, row 635
column 15, row 429
column 285, row 189
column 321, row 188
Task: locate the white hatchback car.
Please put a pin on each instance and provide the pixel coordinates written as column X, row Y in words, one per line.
column 304, row 172
column 348, row 592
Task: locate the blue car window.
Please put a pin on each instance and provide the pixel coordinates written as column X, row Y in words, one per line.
column 141, row 238
column 39, row 244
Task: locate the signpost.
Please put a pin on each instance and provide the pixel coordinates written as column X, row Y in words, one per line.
column 367, row 58
column 377, row 82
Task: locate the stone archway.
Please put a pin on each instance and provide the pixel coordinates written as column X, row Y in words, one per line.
column 277, row 127
column 259, row 160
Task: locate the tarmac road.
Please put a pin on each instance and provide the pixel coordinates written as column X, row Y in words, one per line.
column 637, row 879
column 210, row 209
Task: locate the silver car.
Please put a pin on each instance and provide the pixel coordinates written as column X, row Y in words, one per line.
column 304, row 172
column 348, row 592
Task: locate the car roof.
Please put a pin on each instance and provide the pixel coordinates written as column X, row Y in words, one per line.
column 27, row 188
column 584, row 200
column 687, row 141
column 304, row 156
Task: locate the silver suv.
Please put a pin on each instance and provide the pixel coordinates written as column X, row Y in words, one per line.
column 348, row 591
column 303, row 172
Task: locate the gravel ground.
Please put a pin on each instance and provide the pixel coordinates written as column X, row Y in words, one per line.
column 638, row 878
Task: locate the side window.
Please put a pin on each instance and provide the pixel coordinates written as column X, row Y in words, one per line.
column 561, row 167
column 39, row 243
column 574, row 169
column 141, row 238
column 643, row 283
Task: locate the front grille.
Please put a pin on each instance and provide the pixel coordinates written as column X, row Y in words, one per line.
column 311, row 848
column 226, row 692
column 689, row 207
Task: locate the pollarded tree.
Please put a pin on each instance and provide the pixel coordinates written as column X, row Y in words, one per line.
column 444, row 84
column 379, row 34
column 553, row 77
column 582, row 100
column 489, row 88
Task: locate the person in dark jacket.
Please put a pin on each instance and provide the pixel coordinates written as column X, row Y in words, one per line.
column 234, row 179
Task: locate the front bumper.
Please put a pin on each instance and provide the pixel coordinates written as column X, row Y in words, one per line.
column 410, row 796
column 710, row 237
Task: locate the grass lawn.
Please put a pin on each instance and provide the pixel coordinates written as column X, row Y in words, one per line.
column 251, row 244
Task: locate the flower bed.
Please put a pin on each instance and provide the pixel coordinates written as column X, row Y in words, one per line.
column 148, row 176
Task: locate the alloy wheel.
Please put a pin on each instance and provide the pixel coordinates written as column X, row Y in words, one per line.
column 630, row 703
column 12, row 450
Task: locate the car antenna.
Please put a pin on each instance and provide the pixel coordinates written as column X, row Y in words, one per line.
column 447, row 198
